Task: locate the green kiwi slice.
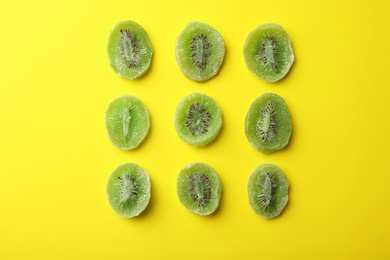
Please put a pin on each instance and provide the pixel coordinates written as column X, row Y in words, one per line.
column 199, row 188
column 198, row 119
column 267, row 123
column 129, row 50
column 267, row 190
column 127, row 122
column 268, row 52
column 200, row 51
column 128, row 190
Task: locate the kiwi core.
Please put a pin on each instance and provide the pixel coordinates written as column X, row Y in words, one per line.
column 200, row 50
column 200, row 188
column 268, row 53
column 197, row 119
column 129, row 188
column 129, row 47
column 268, row 185
column 267, row 125
column 126, row 120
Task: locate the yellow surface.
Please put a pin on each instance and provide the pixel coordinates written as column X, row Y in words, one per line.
column 56, row 84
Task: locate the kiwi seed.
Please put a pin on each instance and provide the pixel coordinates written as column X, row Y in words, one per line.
column 268, row 53
column 200, row 188
column 129, row 47
column 267, row 184
column 200, row 50
column 197, row 119
column 267, row 124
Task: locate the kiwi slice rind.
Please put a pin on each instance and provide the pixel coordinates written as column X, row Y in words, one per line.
column 268, row 190
column 127, row 122
column 129, row 50
column 199, row 188
column 198, row 119
column 128, row 190
column 267, row 124
column 200, row 51
column 268, row 52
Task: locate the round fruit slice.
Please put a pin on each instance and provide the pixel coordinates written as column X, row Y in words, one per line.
column 198, row 119
column 268, row 190
column 268, row 52
column 267, row 123
column 129, row 50
column 128, row 190
column 199, row 188
column 200, row 51
column 127, row 122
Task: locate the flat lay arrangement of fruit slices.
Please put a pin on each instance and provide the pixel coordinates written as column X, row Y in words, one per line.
column 200, row 52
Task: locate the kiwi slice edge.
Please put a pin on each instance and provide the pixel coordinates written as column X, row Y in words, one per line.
column 268, row 52
column 268, row 125
column 128, row 190
column 198, row 119
column 199, row 188
column 200, row 51
column 268, row 190
column 129, row 50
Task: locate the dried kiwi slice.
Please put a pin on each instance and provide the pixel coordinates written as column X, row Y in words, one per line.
column 127, row 122
column 268, row 52
column 199, row 188
column 267, row 190
column 267, row 123
column 200, row 51
column 129, row 50
column 128, row 190
column 198, row 119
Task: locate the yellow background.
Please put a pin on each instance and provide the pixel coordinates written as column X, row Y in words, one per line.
column 56, row 84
